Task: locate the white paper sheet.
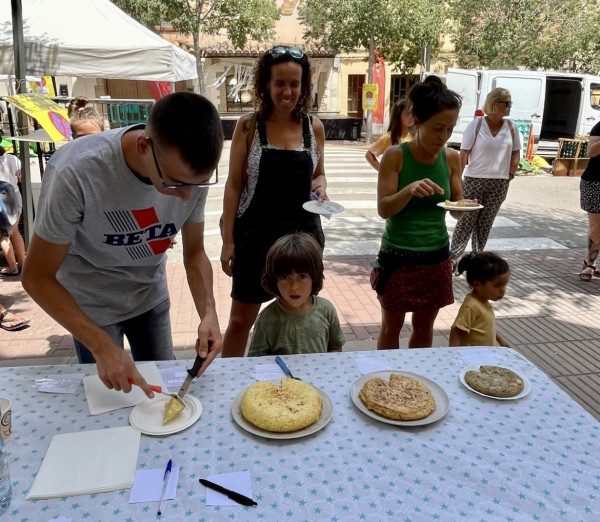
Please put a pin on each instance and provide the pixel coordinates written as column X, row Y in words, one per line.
column 239, row 482
column 173, row 377
column 268, row 372
column 87, row 462
column 59, row 383
column 148, row 483
column 372, row 364
column 478, row 355
column 101, row 400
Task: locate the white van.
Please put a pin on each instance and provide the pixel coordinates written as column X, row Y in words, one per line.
column 559, row 105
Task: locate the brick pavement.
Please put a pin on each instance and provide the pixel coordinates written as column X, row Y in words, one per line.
column 548, row 315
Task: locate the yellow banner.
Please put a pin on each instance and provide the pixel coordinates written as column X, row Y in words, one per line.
column 51, row 116
column 45, row 87
column 370, row 96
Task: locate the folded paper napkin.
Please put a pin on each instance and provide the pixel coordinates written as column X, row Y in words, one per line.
column 100, row 399
column 87, row 462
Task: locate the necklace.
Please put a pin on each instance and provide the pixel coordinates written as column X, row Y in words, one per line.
column 495, row 129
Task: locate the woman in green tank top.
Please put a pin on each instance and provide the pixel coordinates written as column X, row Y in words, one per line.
column 413, row 271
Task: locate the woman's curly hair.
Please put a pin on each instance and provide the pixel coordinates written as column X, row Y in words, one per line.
column 262, row 74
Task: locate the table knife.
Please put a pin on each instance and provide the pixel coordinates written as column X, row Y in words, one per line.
column 285, row 368
column 190, row 377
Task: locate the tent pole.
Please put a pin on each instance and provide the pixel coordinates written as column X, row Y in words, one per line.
column 22, row 119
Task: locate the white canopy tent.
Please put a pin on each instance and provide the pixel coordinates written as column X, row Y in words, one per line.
column 86, row 39
column 90, row 39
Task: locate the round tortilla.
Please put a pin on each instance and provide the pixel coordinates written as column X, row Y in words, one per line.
column 402, row 398
column 292, row 406
column 495, row 381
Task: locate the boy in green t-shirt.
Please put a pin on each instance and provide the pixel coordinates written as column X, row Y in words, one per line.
column 298, row 321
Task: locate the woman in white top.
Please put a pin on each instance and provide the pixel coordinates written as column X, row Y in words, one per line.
column 491, row 147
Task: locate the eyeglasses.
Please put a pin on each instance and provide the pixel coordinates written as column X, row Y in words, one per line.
column 180, row 185
column 280, row 50
column 507, row 103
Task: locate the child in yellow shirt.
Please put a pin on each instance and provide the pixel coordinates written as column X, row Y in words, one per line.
column 475, row 324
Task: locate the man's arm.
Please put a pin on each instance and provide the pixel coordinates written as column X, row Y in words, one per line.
column 115, row 367
column 200, row 280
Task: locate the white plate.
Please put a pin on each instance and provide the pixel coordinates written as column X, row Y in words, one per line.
column 323, row 207
column 475, row 367
column 443, row 205
column 326, row 415
column 441, row 398
column 147, row 416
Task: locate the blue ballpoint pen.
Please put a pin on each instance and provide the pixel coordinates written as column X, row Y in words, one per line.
column 164, row 488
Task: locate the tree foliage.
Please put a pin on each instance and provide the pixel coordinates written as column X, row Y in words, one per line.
column 548, row 34
column 398, row 28
column 240, row 20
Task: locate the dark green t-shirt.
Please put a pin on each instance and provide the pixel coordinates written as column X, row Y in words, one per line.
column 421, row 225
column 280, row 332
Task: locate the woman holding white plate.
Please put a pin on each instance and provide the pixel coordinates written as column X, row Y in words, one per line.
column 276, row 162
column 413, row 271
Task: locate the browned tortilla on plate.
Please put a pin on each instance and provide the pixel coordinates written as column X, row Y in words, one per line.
column 495, row 381
column 402, row 398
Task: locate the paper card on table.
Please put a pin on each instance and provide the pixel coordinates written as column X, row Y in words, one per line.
column 173, row 377
column 479, row 355
column 100, row 399
column 268, row 372
column 59, row 383
column 372, row 364
column 148, row 484
column 87, row 462
column 239, row 482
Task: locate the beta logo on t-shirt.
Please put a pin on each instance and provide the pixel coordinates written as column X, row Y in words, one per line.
column 140, row 231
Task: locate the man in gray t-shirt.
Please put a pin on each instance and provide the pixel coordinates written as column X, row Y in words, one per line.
column 109, row 208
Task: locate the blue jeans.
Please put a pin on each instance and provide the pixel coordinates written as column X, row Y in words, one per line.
column 149, row 336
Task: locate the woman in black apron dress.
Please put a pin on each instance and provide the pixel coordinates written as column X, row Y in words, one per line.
column 276, row 161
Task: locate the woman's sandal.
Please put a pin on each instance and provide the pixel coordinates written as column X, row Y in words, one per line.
column 589, row 271
column 10, row 272
column 12, row 323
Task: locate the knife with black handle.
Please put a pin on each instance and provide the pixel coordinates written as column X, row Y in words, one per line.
column 191, row 376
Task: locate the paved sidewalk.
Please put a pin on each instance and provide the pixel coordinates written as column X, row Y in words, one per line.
column 548, row 315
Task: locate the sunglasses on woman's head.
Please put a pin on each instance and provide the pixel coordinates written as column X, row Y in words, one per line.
column 280, row 50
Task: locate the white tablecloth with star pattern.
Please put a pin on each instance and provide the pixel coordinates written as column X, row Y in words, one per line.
column 537, row 458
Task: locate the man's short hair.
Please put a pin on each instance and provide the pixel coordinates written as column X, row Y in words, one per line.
column 190, row 123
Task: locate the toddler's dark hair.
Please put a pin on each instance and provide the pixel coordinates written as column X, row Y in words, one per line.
column 482, row 266
column 300, row 253
column 429, row 97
